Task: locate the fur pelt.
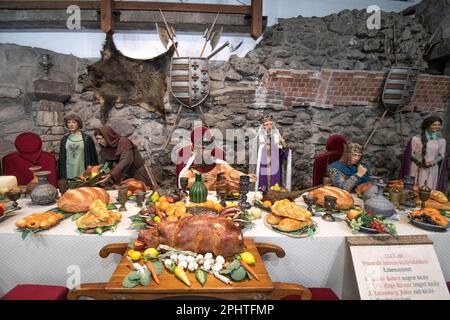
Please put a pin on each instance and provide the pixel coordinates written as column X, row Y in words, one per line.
column 117, row 78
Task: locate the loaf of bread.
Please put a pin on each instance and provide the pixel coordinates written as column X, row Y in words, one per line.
column 438, row 196
column 434, row 204
column 78, row 200
column 44, row 220
column 344, row 198
column 273, row 219
column 98, row 216
column 289, row 225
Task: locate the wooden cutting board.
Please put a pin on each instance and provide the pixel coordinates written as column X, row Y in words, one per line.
column 169, row 283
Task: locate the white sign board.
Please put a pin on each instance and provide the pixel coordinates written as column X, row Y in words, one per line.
column 398, row 272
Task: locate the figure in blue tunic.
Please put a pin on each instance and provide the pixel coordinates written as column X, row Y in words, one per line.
column 348, row 172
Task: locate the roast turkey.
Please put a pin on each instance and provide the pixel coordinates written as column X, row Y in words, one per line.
column 200, row 234
column 134, row 185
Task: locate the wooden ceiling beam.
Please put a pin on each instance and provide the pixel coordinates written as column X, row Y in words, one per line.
column 107, row 9
column 127, row 5
column 47, row 5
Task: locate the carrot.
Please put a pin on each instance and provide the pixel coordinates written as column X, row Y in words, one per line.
column 159, row 213
column 151, row 267
column 250, row 270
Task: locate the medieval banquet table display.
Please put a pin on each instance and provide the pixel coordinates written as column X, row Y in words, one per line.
column 64, row 256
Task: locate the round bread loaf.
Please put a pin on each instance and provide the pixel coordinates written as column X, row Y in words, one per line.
column 78, row 200
column 344, row 198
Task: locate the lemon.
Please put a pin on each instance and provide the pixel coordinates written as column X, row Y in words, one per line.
column 151, row 252
column 134, row 255
column 248, row 257
column 157, row 219
column 232, row 204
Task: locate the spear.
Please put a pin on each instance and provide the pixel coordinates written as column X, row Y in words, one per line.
column 170, row 32
column 208, row 34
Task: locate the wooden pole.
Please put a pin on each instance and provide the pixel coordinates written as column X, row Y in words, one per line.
column 257, row 10
column 106, row 18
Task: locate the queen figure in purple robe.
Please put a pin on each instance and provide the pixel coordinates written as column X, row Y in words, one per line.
column 270, row 158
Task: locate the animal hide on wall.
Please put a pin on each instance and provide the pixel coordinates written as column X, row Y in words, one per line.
column 117, row 78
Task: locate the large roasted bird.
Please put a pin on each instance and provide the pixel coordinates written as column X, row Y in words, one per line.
column 200, row 234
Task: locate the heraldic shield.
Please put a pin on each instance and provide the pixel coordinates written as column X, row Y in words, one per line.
column 189, row 79
column 399, row 88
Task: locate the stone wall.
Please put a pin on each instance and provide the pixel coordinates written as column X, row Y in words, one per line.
column 22, row 89
column 341, row 41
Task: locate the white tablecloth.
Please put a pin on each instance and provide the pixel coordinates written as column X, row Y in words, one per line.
column 50, row 257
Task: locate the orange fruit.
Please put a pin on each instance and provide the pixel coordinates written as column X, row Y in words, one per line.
column 218, row 207
column 129, row 193
column 209, row 204
column 267, row 203
column 164, row 206
column 163, row 199
column 170, row 211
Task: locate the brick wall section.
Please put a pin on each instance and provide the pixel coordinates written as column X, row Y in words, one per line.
column 328, row 88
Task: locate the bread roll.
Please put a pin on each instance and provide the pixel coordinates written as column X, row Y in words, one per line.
column 78, row 200
column 435, row 204
column 344, row 198
column 438, row 196
column 273, row 219
column 289, row 225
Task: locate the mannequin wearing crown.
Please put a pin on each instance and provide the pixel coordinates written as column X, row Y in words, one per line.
column 270, row 157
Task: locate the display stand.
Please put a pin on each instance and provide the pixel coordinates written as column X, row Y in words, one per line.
column 171, row 287
column 397, row 268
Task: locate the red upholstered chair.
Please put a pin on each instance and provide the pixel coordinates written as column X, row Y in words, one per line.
column 184, row 153
column 29, row 154
column 317, row 294
column 335, row 148
column 36, row 292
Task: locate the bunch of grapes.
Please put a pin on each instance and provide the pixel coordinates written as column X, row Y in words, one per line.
column 355, row 224
column 377, row 225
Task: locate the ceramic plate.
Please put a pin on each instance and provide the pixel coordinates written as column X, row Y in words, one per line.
column 8, row 211
column 426, row 226
column 363, row 229
column 293, row 234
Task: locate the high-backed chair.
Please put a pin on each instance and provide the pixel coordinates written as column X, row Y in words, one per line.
column 334, row 150
column 29, row 154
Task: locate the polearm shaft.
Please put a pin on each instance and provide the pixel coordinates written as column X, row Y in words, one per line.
column 374, row 128
column 212, row 54
column 170, row 32
column 208, row 34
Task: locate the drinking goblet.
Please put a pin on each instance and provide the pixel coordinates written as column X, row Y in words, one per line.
column 310, row 201
column 13, row 195
column 122, row 196
column 330, row 204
